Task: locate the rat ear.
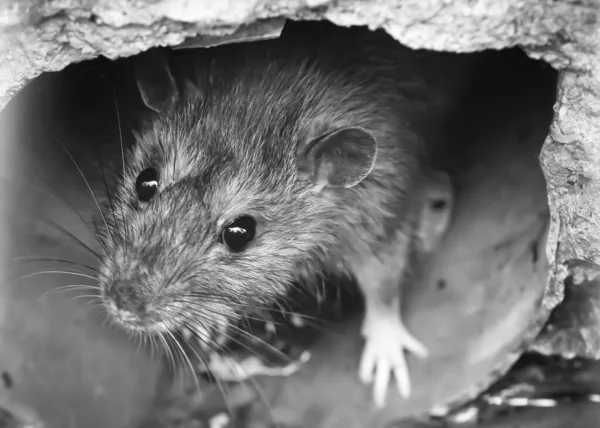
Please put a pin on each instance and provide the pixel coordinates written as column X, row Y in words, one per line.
column 342, row 158
column 155, row 81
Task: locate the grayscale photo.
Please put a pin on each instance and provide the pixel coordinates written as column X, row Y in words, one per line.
column 299, row 214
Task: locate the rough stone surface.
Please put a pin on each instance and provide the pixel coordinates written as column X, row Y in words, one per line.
column 48, row 35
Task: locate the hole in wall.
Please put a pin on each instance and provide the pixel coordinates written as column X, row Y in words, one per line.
column 492, row 136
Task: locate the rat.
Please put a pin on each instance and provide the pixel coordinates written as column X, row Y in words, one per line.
column 275, row 162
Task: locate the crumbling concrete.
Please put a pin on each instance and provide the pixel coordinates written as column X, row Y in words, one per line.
column 39, row 36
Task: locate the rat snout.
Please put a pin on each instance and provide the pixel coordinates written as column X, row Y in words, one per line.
column 129, row 306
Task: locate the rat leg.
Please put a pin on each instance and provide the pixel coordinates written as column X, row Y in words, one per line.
column 386, row 337
column 386, row 340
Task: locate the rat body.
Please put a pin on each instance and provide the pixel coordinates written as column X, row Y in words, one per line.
column 285, row 159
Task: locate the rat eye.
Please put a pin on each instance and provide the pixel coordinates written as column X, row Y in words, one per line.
column 146, row 184
column 239, row 233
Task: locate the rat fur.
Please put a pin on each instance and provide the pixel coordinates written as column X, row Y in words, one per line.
column 233, row 145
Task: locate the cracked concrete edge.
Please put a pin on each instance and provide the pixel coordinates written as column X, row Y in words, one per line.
column 42, row 36
column 570, row 159
column 48, row 35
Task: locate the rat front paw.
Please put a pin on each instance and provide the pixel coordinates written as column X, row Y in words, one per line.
column 383, row 354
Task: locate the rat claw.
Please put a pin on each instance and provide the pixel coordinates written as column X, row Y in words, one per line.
column 414, row 345
column 382, row 380
column 402, row 377
column 383, row 354
column 367, row 365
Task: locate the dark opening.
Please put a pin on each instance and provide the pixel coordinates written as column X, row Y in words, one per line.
column 493, row 137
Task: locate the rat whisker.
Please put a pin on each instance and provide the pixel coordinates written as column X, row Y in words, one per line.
column 242, row 332
column 225, row 296
column 86, row 296
column 84, row 179
column 213, row 311
column 172, row 310
column 261, row 395
column 75, row 287
column 55, row 194
column 213, row 298
column 30, row 259
column 187, row 361
column 122, row 153
column 317, row 323
column 143, row 339
column 66, row 288
column 322, row 326
column 177, row 358
column 70, row 235
column 248, row 379
column 226, row 299
column 138, row 340
column 220, row 385
column 281, row 307
column 168, row 353
column 231, row 338
column 106, row 189
column 51, row 190
column 176, row 277
column 96, row 305
column 153, row 344
column 305, row 317
column 267, row 345
column 57, row 272
column 266, row 311
column 189, row 322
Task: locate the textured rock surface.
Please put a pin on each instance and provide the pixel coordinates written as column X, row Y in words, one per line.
column 48, row 35
column 41, row 36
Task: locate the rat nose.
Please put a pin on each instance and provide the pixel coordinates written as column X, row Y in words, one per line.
column 127, row 316
column 126, row 303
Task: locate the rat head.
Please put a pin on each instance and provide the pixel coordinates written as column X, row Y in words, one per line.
column 211, row 221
